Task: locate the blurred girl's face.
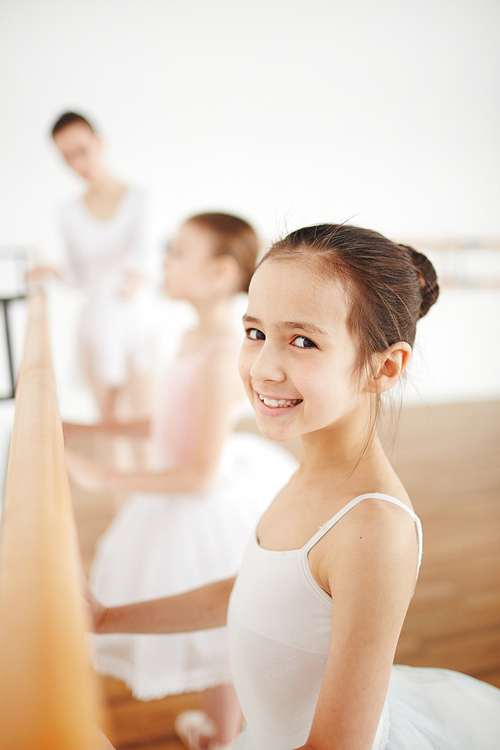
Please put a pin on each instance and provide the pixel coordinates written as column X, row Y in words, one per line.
column 298, row 359
column 81, row 149
column 189, row 267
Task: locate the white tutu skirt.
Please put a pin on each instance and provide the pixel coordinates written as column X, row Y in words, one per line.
column 432, row 709
column 159, row 545
column 438, row 709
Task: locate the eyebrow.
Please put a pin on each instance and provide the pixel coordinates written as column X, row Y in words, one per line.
column 307, row 327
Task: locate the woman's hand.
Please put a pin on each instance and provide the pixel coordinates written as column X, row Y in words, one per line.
column 129, row 283
column 87, row 474
column 42, row 273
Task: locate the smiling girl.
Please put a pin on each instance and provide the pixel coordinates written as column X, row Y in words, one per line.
column 317, row 607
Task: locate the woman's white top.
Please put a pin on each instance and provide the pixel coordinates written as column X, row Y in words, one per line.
column 114, row 330
column 99, row 251
column 280, row 626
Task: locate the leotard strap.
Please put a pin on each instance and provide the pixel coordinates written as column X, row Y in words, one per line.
column 379, row 496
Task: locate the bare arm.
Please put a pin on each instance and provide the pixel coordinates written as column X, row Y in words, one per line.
column 198, row 609
column 370, row 570
column 139, row 428
column 219, row 388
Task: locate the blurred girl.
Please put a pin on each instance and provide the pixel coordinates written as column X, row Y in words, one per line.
column 323, row 589
column 186, row 522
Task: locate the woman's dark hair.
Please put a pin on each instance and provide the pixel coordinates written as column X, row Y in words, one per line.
column 232, row 236
column 69, row 118
column 390, row 286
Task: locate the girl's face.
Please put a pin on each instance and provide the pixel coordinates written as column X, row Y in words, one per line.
column 189, row 266
column 81, row 149
column 297, row 360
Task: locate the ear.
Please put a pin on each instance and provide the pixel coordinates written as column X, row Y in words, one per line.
column 99, row 140
column 388, row 367
column 227, row 271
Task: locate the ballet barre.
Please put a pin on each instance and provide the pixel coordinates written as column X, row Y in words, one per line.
column 49, row 695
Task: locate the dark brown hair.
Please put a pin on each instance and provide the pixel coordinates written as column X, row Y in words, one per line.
column 69, row 118
column 235, row 237
column 390, row 286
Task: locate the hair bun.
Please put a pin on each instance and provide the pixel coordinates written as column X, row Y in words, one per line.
column 427, row 279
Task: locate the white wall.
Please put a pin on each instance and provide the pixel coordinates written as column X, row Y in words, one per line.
column 288, row 111
column 285, row 111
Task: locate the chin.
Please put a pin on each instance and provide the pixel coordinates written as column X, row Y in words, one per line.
column 275, row 434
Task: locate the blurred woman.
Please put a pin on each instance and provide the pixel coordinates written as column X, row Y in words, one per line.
column 110, row 256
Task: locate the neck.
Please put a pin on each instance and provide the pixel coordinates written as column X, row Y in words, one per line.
column 103, row 184
column 345, row 447
column 215, row 316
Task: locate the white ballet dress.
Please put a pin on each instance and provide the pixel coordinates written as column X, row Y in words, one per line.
column 163, row 544
column 280, row 624
column 114, row 332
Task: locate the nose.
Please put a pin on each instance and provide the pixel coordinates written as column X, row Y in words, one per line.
column 268, row 365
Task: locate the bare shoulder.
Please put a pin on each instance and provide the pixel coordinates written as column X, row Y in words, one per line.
column 190, row 343
column 373, row 540
column 376, row 526
column 219, row 372
column 381, row 519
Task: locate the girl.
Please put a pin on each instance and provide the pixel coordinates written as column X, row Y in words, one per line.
column 186, row 522
column 109, row 254
column 320, row 598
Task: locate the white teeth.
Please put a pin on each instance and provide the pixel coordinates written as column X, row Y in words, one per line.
column 275, row 403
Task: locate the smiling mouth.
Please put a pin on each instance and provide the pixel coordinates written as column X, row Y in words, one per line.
column 279, row 403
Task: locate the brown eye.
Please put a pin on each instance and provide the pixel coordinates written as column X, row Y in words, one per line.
column 304, row 343
column 254, row 334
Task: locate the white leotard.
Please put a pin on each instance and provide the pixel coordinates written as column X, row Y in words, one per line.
column 280, row 624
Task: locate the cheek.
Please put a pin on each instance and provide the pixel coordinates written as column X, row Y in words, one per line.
column 79, row 167
column 313, row 380
column 244, row 363
column 173, row 278
column 94, row 154
column 323, row 388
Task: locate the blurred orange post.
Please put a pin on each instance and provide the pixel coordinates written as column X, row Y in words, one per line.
column 48, row 692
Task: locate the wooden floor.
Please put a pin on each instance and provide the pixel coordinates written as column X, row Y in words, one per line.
column 449, row 460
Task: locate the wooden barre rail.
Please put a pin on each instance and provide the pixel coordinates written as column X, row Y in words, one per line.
column 48, row 692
